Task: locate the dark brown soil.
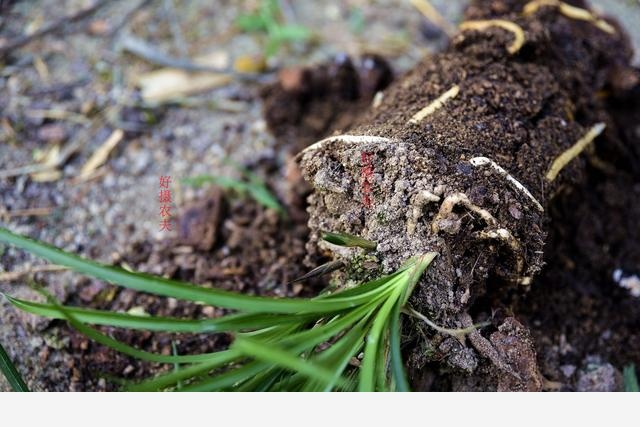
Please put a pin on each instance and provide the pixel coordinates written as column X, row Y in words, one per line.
column 307, row 103
column 595, row 235
column 522, row 111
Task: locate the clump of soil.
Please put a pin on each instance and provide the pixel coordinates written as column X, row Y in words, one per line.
column 439, row 177
column 308, row 102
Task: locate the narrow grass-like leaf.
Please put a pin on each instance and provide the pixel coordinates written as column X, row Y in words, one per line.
column 171, row 379
column 291, row 33
column 228, row 323
column 337, row 356
column 10, row 372
column 307, row 339
column 254, row 188
column 106, row 340
column 397, row 365
column 382, row 360
column 372, row 346
column 348, row 240
column 276, row 340
column 272, row 354
column 263, row 381
column 630, row 378
column 250, row 23
column 229, row 378
column 417, row 265
column 179, row 290
column 325, row 268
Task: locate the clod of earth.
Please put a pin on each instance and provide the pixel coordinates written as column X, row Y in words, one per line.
column 467, row 151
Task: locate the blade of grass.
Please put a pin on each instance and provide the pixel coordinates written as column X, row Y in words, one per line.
column 229, row 378
column 321, row 270
column 106, row 340
column 254, row 188
column 418, row 265
column 171, row 379
column 397, row 364
column 263, row 381
column 228, row 323
column 382, row 359
column 11, row 373
column 176, row 366
column 373, row 343
column 630, row 378
column 348, row 240
column 338, row 356
column 272, row 354
column 307, row 339
column 179, row 290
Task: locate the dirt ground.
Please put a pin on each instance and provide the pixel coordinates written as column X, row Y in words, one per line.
column 78, row 87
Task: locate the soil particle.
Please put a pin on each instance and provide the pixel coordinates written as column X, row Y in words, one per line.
column 198, row 225
column 599, row 376
column 513, row 342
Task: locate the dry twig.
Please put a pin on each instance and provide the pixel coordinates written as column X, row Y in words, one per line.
column 51, row 28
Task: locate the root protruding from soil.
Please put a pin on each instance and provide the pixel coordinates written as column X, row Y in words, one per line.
column 569, row 11
column 574, row 151
column 481, row 25
column 434, row 105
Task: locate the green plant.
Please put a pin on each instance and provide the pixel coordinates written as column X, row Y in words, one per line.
column 348, row 240
column 252, row 186
column 279, row 344
column 267, row 20
column 10, row 372
column 630, row 378
column 357, row 21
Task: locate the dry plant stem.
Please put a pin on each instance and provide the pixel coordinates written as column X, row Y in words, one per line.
column 65, row 153
column 574, row 151
column 52, row 28
column 59, row 115
column 482, row 161
column 432, row 14
column 6, row 215
column 435, row 105
column 128, row 16
column 456, row 333
column 100, row 156
column 569, row 11
column 481, row 25
column 15, row 275
column 486, row 349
